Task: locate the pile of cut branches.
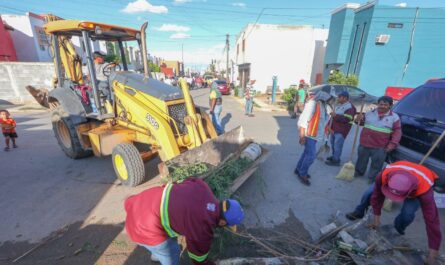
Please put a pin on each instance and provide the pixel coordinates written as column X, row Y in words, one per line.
column 219, row 178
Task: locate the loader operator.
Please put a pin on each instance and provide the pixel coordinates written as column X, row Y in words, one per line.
column 102, row 80
column 156, row 216
column 410, row 183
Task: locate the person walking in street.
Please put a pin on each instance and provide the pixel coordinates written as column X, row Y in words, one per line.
column 300, row 99
column 157, row 216
column 381, row 134
column 215, row 102
column 8, row 125
column 411, row 184
column 248, row 95
column 341, row 123
column 311, row 125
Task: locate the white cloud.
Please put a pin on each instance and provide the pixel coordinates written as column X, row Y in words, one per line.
column 173, row 27
column 140, row 6
column 402, row 5
column 239, row 4
column 180, row 36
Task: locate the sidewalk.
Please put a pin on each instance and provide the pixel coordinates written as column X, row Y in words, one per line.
column 262, row 104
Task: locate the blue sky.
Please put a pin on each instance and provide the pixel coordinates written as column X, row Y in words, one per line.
column 199, row 25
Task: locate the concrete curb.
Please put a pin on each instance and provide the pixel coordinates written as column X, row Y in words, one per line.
column 263, row 106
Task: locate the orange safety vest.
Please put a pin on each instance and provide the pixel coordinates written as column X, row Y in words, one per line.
column 312, row 127
column 425, row 176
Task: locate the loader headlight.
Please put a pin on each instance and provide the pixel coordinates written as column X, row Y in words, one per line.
column 98, row 30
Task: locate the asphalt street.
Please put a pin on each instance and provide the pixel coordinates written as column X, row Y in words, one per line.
column 43, row 190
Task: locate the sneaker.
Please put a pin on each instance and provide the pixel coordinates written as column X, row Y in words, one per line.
column 304, row 180
column 332, row 163
column 354, row 216
column 330, row 158
column 15, row 146
column 6, row 149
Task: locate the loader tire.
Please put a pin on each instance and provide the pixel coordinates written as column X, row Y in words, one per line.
column 66, row 135
column 128, row 164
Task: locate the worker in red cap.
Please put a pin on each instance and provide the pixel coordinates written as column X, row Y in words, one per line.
column 156, row 216
column 411, row 184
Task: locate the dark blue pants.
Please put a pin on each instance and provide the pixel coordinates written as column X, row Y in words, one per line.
column 405, row 217
column 337, row 141
column 307, row 158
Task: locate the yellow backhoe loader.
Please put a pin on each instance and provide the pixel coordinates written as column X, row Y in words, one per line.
column 140, row 117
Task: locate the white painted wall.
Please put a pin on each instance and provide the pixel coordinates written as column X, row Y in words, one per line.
column 43, row 52
column 25, row 39
column 320, row 38
column 22, row 37
column 281, row 50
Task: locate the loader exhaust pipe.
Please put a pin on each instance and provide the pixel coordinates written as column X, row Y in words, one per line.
column 144, row 50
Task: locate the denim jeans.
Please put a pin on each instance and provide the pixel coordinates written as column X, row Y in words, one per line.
column 216, row 119
column 249, row 106
column 337, row 141
column 167, row 252
column 377, row 156
column 307, row 158
column 405, row 217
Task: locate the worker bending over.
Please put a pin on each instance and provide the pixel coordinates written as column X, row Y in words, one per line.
column 156, row 216
column 411, row 184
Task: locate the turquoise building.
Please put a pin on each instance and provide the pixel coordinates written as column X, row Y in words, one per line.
column 386, row 45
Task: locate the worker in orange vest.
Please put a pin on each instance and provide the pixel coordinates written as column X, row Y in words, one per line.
column 412, row 184
column 312, row 128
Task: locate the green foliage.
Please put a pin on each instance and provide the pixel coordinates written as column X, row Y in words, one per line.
column 178, row 174
column 154, row 67
column 236, row 91
column 219, row 180
column 112, row 58
column 289, row 95
column 339, row 78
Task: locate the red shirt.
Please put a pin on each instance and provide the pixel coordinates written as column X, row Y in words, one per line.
column 8, row 122
column 193, row 212
column 429, row 210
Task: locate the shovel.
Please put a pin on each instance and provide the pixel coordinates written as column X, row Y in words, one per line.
column 325, row 148
column 388, row 203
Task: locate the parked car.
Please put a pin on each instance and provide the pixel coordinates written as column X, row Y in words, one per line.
column 356, row 95
column 222, row 86
column 422, row 114
column 199, row 82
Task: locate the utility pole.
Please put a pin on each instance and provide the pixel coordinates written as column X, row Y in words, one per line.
column 182, row 55
column 227, row 58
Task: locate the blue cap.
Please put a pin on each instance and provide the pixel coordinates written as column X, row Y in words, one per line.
column 343, row 94
column 233, row 214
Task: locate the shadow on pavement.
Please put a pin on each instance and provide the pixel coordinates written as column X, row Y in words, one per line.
column 70, row 245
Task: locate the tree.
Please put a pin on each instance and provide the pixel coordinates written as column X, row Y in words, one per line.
column 339, row 78
column 154, row 67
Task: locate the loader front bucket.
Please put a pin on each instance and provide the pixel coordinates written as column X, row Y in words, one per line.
column 40, row 95
column 216, row 152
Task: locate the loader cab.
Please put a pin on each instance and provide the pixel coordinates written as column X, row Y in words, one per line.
column 75, row 68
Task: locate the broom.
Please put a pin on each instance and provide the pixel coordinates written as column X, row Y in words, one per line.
column 348, row 170
column 387, row 205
